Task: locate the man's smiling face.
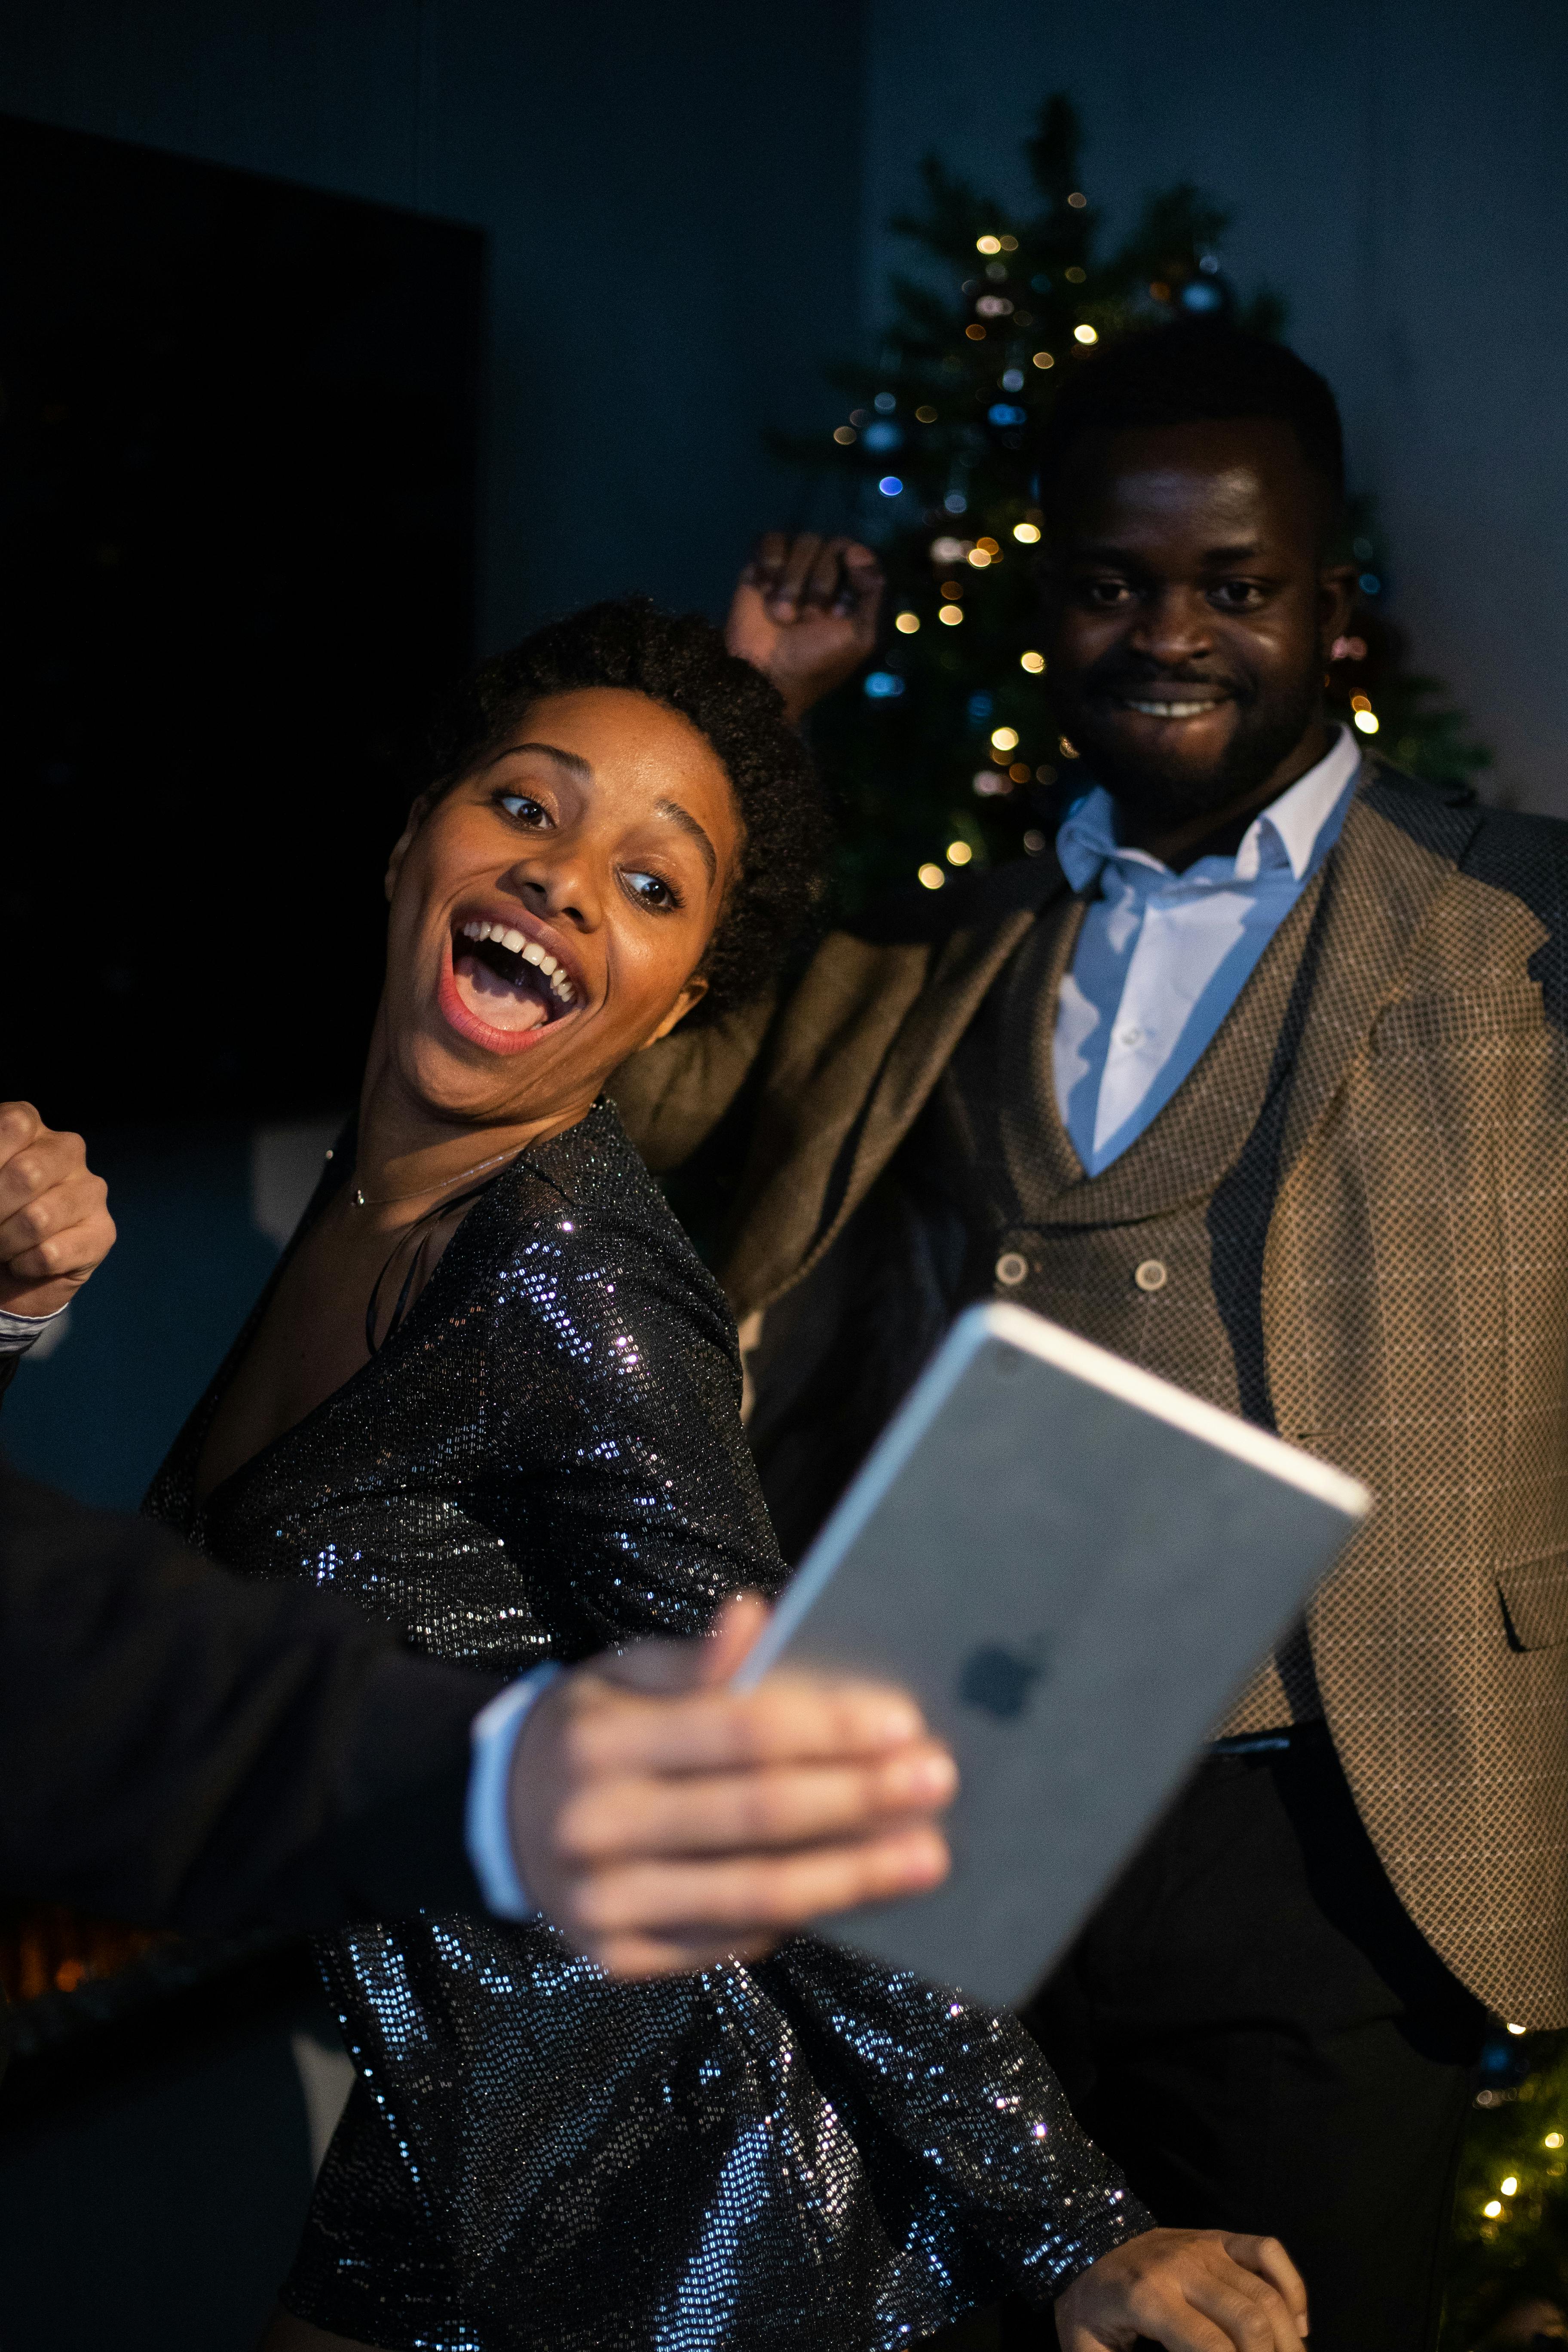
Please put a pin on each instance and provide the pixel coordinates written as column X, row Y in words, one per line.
column 1190, row 613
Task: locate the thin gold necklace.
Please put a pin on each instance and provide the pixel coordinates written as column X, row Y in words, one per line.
column 359, row 1199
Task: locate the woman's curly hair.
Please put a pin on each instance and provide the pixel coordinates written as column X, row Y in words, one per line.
column 680, row 661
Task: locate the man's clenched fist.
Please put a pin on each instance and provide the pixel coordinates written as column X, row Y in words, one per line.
column 804, row 614
column 55, row 1225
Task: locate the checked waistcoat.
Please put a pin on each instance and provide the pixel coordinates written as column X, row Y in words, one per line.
column 1151, row 1257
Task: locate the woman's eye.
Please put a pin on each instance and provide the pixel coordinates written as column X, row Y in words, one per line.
column 650, row 890
column 526, row 810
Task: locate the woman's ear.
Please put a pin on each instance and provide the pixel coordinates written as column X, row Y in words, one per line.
column 417, row 813
column 695, row 990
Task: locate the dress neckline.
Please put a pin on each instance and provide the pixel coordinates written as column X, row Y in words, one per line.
column 474, row 1225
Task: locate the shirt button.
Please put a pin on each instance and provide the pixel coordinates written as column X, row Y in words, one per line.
column 1011, row 1268
column 1149, row 1275
column 1130, row 1036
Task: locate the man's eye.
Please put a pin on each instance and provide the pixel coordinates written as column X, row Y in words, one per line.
column 1106, row 594
column 1236, row 595
column 526, row 810
column 649, row 889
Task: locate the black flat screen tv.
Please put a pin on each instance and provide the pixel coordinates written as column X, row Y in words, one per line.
column 237, row 460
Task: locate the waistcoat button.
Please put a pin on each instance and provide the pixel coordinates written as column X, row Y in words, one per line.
column 1149, row 1275
column 1011, row 1268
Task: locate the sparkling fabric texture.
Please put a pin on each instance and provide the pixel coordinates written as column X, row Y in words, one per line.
column 544, row 1457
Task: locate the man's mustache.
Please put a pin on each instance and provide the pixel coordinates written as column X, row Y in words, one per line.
column 1111, row 681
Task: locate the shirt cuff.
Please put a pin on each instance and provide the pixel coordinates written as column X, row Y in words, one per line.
column 486, row 1823
column 17, row 1332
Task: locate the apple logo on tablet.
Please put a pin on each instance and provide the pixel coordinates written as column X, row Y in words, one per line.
column 997, row 1681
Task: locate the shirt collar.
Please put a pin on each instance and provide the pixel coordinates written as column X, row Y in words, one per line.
column 1287, row 831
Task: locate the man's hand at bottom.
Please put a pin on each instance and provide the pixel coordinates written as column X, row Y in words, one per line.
column 1191, row 2290
column 664, row 1821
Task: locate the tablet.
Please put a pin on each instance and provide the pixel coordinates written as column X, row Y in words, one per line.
column 1073, row 1566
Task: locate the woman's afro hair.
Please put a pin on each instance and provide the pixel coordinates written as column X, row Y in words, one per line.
column 680, row 661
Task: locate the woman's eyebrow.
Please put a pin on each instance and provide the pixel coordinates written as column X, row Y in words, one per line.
column 687, row 823
column 573, row 760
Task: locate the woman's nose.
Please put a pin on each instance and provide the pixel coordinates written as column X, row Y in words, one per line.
column 561, row 889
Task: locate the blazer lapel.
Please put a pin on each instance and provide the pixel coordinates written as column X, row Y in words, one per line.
column 866, row 1037
column 1381, row 886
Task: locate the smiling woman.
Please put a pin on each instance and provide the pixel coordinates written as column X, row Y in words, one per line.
column 527, row 1446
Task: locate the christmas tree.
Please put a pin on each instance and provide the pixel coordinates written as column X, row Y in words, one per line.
column 1508, row 2280
column 948, row 753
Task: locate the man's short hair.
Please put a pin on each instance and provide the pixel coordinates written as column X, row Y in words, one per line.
column 1189, row 373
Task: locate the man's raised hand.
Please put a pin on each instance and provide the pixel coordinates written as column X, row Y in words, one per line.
column 1190, row 2289
column 664, row 1821
column 55, row 1225
column 804, row 614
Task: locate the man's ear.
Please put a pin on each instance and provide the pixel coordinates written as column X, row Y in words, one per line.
column 695, row 990
column 1336, row 600
column 419, row 809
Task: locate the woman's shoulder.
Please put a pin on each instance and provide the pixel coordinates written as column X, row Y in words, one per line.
column 587, row 1196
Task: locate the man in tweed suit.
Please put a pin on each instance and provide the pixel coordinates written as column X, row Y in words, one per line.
column 1259, row 1080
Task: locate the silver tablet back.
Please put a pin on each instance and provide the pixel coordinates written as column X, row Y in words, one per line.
column 1073, row 1565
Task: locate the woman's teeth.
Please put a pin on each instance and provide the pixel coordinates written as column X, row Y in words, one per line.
column 516, row 943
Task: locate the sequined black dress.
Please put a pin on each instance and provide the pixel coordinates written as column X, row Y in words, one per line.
column 544, row 1457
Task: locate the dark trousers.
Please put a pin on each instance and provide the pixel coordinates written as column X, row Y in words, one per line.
column 1254, row 2029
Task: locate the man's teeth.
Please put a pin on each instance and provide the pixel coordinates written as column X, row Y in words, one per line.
column 1168, row 710
column 518, row 944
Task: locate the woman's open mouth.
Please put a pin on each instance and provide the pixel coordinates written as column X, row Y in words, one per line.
column 502, row 981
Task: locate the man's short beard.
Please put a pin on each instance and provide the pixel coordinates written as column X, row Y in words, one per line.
column 1261, row 743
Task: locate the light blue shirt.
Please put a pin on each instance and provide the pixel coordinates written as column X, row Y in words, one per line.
column 1162, row 957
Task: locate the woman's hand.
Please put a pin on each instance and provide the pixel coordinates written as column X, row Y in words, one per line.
column 804, row 614
column 664, row 1821
column 55, row 1225
column 1191, row 2290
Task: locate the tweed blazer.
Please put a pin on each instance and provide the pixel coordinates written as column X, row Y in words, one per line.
column 1408, row 1321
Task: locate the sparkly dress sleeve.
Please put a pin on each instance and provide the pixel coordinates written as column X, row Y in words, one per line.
column 547, row 1457
column 616, row 1455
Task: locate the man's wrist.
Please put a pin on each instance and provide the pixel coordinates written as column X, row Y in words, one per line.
column 488, row 1834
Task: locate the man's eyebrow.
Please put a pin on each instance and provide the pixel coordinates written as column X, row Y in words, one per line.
column 1130, row 560
column 572, row 760
column 687, row 823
